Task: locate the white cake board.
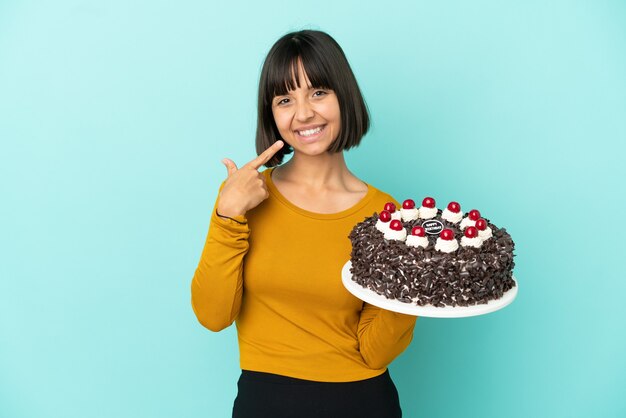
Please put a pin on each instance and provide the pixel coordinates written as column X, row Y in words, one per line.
column 375, row 299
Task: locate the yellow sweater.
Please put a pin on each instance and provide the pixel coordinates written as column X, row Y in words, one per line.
column 276, row 271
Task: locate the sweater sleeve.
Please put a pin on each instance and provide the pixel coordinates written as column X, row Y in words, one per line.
column 383, row 335
column 217, row 284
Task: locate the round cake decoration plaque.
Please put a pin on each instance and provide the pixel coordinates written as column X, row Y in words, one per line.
column 432, row 227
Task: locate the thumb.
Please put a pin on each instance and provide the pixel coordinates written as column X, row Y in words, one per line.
column 230, row 166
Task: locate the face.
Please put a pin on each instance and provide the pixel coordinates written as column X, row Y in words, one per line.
column 307, row 118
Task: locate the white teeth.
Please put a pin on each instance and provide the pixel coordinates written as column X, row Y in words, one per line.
column 310, row 131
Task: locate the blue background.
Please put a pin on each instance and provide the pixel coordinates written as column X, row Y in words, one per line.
column 114, row 117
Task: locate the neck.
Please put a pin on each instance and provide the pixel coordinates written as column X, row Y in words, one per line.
column 316, row 172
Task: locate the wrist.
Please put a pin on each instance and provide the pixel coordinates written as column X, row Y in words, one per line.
column 226, row 211
column 240, row 219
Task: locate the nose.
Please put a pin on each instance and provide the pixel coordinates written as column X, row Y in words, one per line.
column 304, row 110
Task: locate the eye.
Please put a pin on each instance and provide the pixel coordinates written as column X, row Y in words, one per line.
column 319, row 91
column 280, row 102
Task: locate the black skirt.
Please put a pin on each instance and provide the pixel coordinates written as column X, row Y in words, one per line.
column 266, row 395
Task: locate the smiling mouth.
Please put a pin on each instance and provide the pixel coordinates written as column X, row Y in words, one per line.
column 311, row 132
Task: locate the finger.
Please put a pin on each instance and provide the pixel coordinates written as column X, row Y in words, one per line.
column 230, row 166
column 266, row 155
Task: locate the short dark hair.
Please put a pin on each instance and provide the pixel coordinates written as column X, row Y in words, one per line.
column 327, row 67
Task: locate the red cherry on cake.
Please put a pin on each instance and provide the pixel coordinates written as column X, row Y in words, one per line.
column 408, row 204
column 384, row 216
column 474, row 215
column 396, row 225
column 471, row 232
column 447, row 234
column 428, row 202
column 454, row 207
column 390, row 207
column 418, row 231
column 481, row 224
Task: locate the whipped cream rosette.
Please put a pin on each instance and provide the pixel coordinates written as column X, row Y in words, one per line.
column 452, row 213
column 396, row 231
column 470, row 219
column 446, row 243
column 470, row 238
column 391, row 208
column 382, row 224
column 409, row 211
column 484, row 231
column 417, row 238
column 428, row 210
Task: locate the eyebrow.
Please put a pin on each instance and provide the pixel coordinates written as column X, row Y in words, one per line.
column 309, row 89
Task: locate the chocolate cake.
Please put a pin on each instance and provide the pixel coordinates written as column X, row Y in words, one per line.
column 413, row 255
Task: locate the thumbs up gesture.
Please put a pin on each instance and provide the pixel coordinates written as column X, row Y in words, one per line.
column 245, row 187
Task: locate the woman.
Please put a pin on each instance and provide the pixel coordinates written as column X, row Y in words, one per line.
column 278, row 239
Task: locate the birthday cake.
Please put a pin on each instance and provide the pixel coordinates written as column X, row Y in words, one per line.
column 428, row 256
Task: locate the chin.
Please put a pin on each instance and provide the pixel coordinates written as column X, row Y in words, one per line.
column 318, row 149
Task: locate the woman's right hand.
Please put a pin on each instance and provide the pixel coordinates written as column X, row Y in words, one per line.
column 245, row 187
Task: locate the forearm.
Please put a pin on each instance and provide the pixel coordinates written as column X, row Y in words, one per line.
column 217, row 284
column 383, row 335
